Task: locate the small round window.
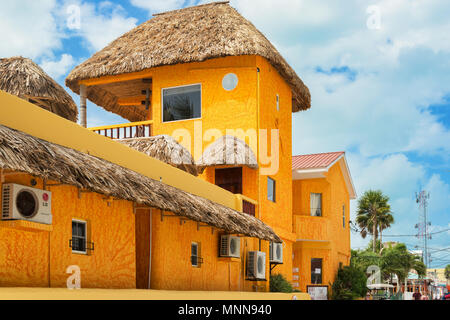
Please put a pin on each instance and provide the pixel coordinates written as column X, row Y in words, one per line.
column 229, row 81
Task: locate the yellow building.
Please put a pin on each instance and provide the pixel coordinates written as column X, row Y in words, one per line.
column 71, row 197
column 208, row 78
column 198, row 191
column 321, row 193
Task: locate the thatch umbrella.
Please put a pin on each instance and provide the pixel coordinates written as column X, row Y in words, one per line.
column 188, row 35
column 24, row 78
column 166, row 149
column 228, row 150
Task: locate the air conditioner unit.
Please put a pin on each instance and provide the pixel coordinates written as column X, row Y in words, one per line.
column 276, row 252
column 25, row 203
column 256, row 265
column 230, row 246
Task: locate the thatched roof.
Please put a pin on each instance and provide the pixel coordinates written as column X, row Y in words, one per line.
column 193, row 34
column 228, row 150
column 166, row 149
column 24, row 78
column 24, row 153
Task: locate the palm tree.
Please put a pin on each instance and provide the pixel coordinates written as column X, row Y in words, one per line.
column 399, row 261
column 385, row 221
column 373, row 214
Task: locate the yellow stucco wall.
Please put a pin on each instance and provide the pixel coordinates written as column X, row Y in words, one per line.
column 171, row 265
column 45, row 125
column 321, row 237
column 250, row 106
column 277, row 214
column 24, row 255
column 221, row 109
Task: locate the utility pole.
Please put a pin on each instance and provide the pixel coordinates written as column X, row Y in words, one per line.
column 422, row 232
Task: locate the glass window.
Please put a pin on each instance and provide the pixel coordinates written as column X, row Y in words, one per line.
column 229, row 81
column 278, row 103
column 271, row 189
column 79, row 236
column 194, row 254
column 181, row 103
column 316, row 270
column 316, row 204
column 343, row 216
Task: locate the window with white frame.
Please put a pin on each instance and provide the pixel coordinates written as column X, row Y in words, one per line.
column 278, row 102
column 271, row 189
column 316, row 204
column 181, row 103
column 79, row 238
column 195, row 254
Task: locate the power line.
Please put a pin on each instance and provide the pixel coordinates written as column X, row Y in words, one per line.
column 440, row 249
column 413, row 235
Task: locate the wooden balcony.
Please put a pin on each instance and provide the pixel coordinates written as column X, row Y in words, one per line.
column 139, row 129
column 311, row 228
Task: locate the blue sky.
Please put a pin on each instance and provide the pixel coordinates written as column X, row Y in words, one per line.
column 379, row 76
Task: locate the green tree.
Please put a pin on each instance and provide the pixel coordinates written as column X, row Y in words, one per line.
column 278, row 283
column 362, row 259
column 399, row 261
column 447, row 272
column 373, row 214
column 350, row 283
column 385, row 221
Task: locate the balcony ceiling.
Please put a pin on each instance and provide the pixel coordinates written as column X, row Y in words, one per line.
column 124, row 98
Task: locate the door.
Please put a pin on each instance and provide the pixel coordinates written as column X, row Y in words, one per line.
column 143, row 248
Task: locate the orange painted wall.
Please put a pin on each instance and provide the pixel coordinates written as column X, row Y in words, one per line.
column 24, row 256
column 113, row 262
column 238, row 109
column 303, row 253
column 277, row 214
column 334, row 239
column 221, row 109
column 171, row 265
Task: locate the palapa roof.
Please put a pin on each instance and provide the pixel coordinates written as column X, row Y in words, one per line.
column 228, row 150
column 25, row 153
column 24, row 78
column 193, row 34
column 166, row 149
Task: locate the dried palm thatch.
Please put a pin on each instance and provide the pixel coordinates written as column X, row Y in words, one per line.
column 24, row 153
column 166, row 149
column 192, row 34
column 22, row 77
column 227, row 150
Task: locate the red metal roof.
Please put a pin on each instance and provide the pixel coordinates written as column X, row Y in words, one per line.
column 318, row 160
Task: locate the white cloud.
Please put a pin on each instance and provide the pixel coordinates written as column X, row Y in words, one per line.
column 439, row 199
column 399, row 71
column 58, row 68
column 158, row 6
column 99, row 24
column 28, row 28
column 394, row 174
column 400, row 179
column 376, row 102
